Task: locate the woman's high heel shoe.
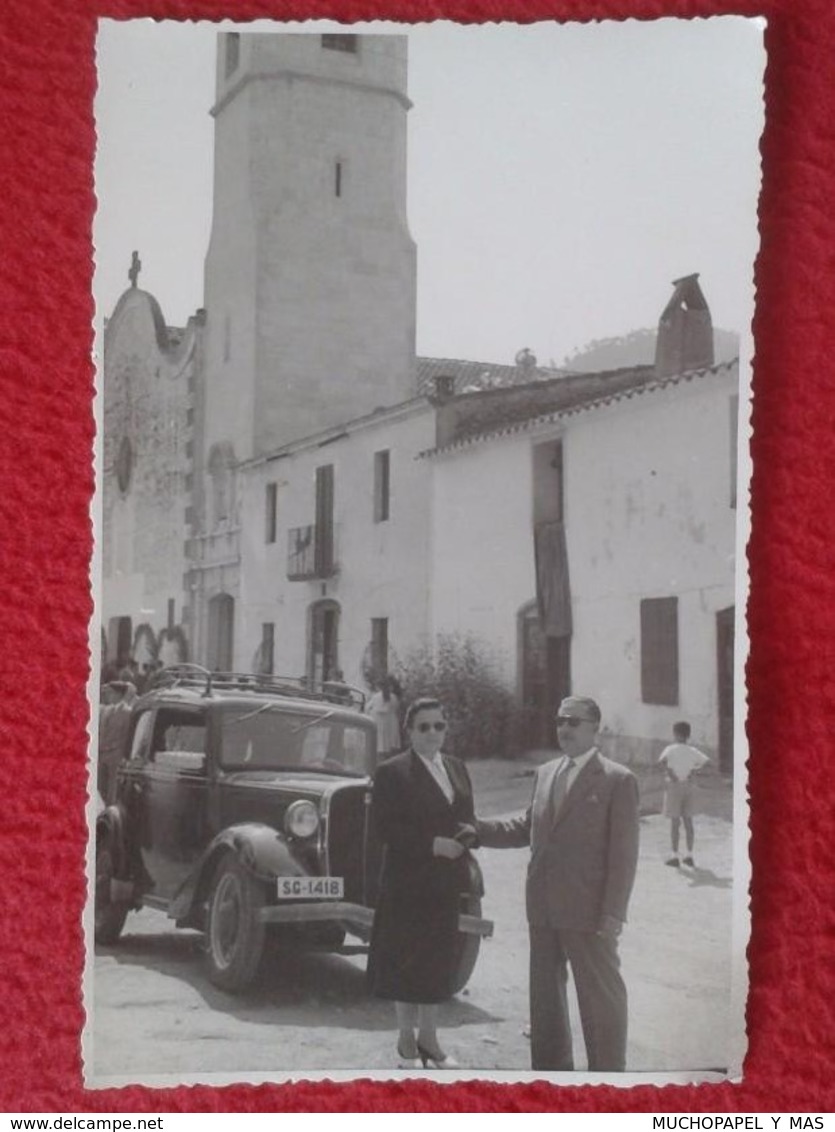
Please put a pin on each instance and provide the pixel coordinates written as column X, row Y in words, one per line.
column 404, row 1062
column 434, row 1061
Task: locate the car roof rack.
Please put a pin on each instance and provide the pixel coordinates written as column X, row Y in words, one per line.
column 185, row 675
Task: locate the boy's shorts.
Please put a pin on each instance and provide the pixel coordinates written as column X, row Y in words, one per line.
column 679, row 800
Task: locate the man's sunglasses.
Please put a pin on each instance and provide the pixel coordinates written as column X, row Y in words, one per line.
column 571, row 721
column 424, row 727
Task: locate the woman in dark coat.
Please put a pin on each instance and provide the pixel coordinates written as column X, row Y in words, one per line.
column 422, row 802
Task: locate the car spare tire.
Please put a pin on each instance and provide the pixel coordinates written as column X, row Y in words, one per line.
column 108, row 914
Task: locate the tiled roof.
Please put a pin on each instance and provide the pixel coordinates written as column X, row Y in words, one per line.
column 470, row 376
column 641, row 384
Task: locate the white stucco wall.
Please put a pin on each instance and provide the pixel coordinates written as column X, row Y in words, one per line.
column 483, row 562
column 647, row 514
column 382, row 567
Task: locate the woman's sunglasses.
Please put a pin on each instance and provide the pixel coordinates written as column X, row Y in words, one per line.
column 424, row 727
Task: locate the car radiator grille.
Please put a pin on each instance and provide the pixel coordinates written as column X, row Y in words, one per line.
column 353, row 851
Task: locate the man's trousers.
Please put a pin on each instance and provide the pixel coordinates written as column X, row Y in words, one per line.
column 601, row 995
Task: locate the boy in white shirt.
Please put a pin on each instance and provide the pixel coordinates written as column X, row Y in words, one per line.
column 680, row 762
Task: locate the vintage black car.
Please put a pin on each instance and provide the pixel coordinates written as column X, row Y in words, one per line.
column 242, row 810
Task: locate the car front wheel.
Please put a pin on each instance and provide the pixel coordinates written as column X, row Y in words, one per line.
column 235, row 932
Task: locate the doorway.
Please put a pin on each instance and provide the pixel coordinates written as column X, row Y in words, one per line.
column 119, row 640
column 323, row 642
column 725, row 687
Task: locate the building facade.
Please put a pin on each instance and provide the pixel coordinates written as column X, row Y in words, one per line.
column 287, row 488
column 150, row 375
column 594, row 547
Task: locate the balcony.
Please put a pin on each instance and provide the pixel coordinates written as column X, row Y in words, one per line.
column 310, row 554
column 220, row 548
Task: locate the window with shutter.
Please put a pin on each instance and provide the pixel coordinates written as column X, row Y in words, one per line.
column 323, row 543
column 271, row 511
column 659, row 650
column 382, row 477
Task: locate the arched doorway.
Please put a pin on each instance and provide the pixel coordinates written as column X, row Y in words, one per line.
column 323, row 642
column 221, row 633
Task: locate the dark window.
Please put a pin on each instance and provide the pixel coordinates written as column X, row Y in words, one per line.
column 141, row 741
column 323, row 540
column 379, row 646
column 340, row 43
column 268, row 647
column 271, row 511
column 337, row 179
column 179, row 740
column 171, row 613
column 189, row 416
column 734, row 425
column 382, row 475
column 233, row 52
column 659, row 650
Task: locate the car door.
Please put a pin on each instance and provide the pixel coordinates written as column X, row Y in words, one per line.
column 171, row 807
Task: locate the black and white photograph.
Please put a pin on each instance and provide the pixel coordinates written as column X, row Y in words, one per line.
column 423, row 407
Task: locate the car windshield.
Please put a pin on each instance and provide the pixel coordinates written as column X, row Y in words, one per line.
column 268, row 737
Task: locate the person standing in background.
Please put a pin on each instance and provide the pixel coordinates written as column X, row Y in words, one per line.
column 384, row 708
column 681, row 762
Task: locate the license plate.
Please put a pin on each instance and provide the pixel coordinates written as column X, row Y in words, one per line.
column 311, row 888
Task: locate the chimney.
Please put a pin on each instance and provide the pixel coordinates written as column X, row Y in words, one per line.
column 685, row 330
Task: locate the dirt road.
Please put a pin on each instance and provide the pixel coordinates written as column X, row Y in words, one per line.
column 155, row 1016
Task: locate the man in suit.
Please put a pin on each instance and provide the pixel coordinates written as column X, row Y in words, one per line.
column 582, row 827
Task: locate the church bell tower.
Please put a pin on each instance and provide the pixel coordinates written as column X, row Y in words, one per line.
column 310, row 272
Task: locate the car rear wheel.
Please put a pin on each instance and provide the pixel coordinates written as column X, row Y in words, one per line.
column 109, row 915
column 235, row 933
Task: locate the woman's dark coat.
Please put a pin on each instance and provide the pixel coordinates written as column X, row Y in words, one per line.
column 414, row 941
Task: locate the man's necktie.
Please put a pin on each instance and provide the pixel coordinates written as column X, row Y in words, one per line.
column 560, row 788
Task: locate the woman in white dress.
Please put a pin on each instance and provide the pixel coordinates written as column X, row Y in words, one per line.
column 384, row 708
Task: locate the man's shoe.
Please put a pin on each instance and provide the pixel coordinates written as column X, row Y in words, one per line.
column 688, row 861
column 672, row 861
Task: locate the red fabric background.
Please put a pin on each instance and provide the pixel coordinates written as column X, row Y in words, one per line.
column 46, row 93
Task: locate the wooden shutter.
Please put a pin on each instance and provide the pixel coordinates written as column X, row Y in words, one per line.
column 659, row 650
column 324, row 521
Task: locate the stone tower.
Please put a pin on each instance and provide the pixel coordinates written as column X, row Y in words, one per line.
column 310, row 272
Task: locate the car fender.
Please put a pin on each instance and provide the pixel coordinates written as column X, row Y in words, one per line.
column 475, row 879
column 259, row 848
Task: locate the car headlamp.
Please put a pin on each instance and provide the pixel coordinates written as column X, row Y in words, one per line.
column 301, row 819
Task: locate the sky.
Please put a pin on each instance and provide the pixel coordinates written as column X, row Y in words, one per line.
column 560, row 176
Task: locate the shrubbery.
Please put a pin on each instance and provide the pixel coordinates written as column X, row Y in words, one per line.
column 463, row 672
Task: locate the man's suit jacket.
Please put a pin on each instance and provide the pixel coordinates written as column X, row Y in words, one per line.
column 583, row 862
